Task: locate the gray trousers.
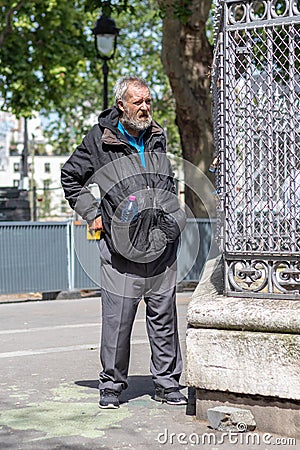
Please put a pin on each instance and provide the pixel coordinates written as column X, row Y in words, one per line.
column 123, row 285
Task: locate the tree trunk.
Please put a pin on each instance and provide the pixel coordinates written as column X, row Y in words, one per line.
column 187, row 59
column 8, row 25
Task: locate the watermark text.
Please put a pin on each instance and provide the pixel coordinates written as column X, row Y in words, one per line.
column 234, row 438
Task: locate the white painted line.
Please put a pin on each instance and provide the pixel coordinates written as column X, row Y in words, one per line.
column 47, row 350
column 55, row 327
column 60, row 349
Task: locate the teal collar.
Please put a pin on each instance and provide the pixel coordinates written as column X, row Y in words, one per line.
column 136, row 142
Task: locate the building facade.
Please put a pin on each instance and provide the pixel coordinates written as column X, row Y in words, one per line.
column 43, row 168
column 45, row 192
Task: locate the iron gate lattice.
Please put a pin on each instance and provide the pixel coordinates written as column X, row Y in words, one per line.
column 256, row 97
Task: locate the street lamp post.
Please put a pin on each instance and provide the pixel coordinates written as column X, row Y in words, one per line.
column 24, row 159
column 105, row 32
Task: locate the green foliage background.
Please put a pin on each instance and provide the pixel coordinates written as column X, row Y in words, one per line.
column 48, row 63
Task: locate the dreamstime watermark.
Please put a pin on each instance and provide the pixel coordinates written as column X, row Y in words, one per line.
column 230, row 437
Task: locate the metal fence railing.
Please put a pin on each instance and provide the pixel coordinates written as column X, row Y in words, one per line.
column 47, row 257
column 256, row 93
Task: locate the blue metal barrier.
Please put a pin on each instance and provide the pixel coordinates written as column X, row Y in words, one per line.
column 43, row 257
column 33, row 257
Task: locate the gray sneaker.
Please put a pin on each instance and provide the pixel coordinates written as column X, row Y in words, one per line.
column 171, row 396
column 109, row 399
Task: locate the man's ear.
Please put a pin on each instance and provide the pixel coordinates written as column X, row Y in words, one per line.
column 120, row 105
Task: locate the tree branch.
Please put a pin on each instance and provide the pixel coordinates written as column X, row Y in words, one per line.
column 8, row 26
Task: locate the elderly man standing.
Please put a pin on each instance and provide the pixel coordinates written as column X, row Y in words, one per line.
column 125, row 154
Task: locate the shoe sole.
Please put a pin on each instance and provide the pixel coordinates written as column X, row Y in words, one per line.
column 163, row 400
column 109, row 406
column 182, row 402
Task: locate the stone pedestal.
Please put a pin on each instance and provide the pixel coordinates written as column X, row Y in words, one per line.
column 244, row 353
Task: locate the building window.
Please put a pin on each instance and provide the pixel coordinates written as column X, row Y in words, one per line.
column 46, row 184
column 16, row 167
column 16, row 183
column 63, row 207
column 47, row 167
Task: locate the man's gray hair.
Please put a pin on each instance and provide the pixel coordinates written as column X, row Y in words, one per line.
column 122, row 85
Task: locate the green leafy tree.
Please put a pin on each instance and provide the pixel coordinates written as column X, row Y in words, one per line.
column 48, row 63
column 44, row 50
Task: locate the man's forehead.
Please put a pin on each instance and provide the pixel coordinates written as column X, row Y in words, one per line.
column 137, row 90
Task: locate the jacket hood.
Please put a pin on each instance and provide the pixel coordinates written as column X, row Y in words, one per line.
column 109, row 118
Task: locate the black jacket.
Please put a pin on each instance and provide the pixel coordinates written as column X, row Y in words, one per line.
column 106, row 158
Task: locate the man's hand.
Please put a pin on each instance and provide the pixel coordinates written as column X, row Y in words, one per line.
column 97, row 225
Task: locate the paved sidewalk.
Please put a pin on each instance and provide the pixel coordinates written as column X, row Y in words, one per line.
column 48, row 386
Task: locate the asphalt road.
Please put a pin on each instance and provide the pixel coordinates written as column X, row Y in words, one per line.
column 49, row 364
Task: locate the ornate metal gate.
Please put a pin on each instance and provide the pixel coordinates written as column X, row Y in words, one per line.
column 256, row 92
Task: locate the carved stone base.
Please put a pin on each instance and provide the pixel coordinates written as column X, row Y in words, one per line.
column 245, row 352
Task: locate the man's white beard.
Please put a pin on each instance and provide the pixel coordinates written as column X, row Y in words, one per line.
column 136, row 124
